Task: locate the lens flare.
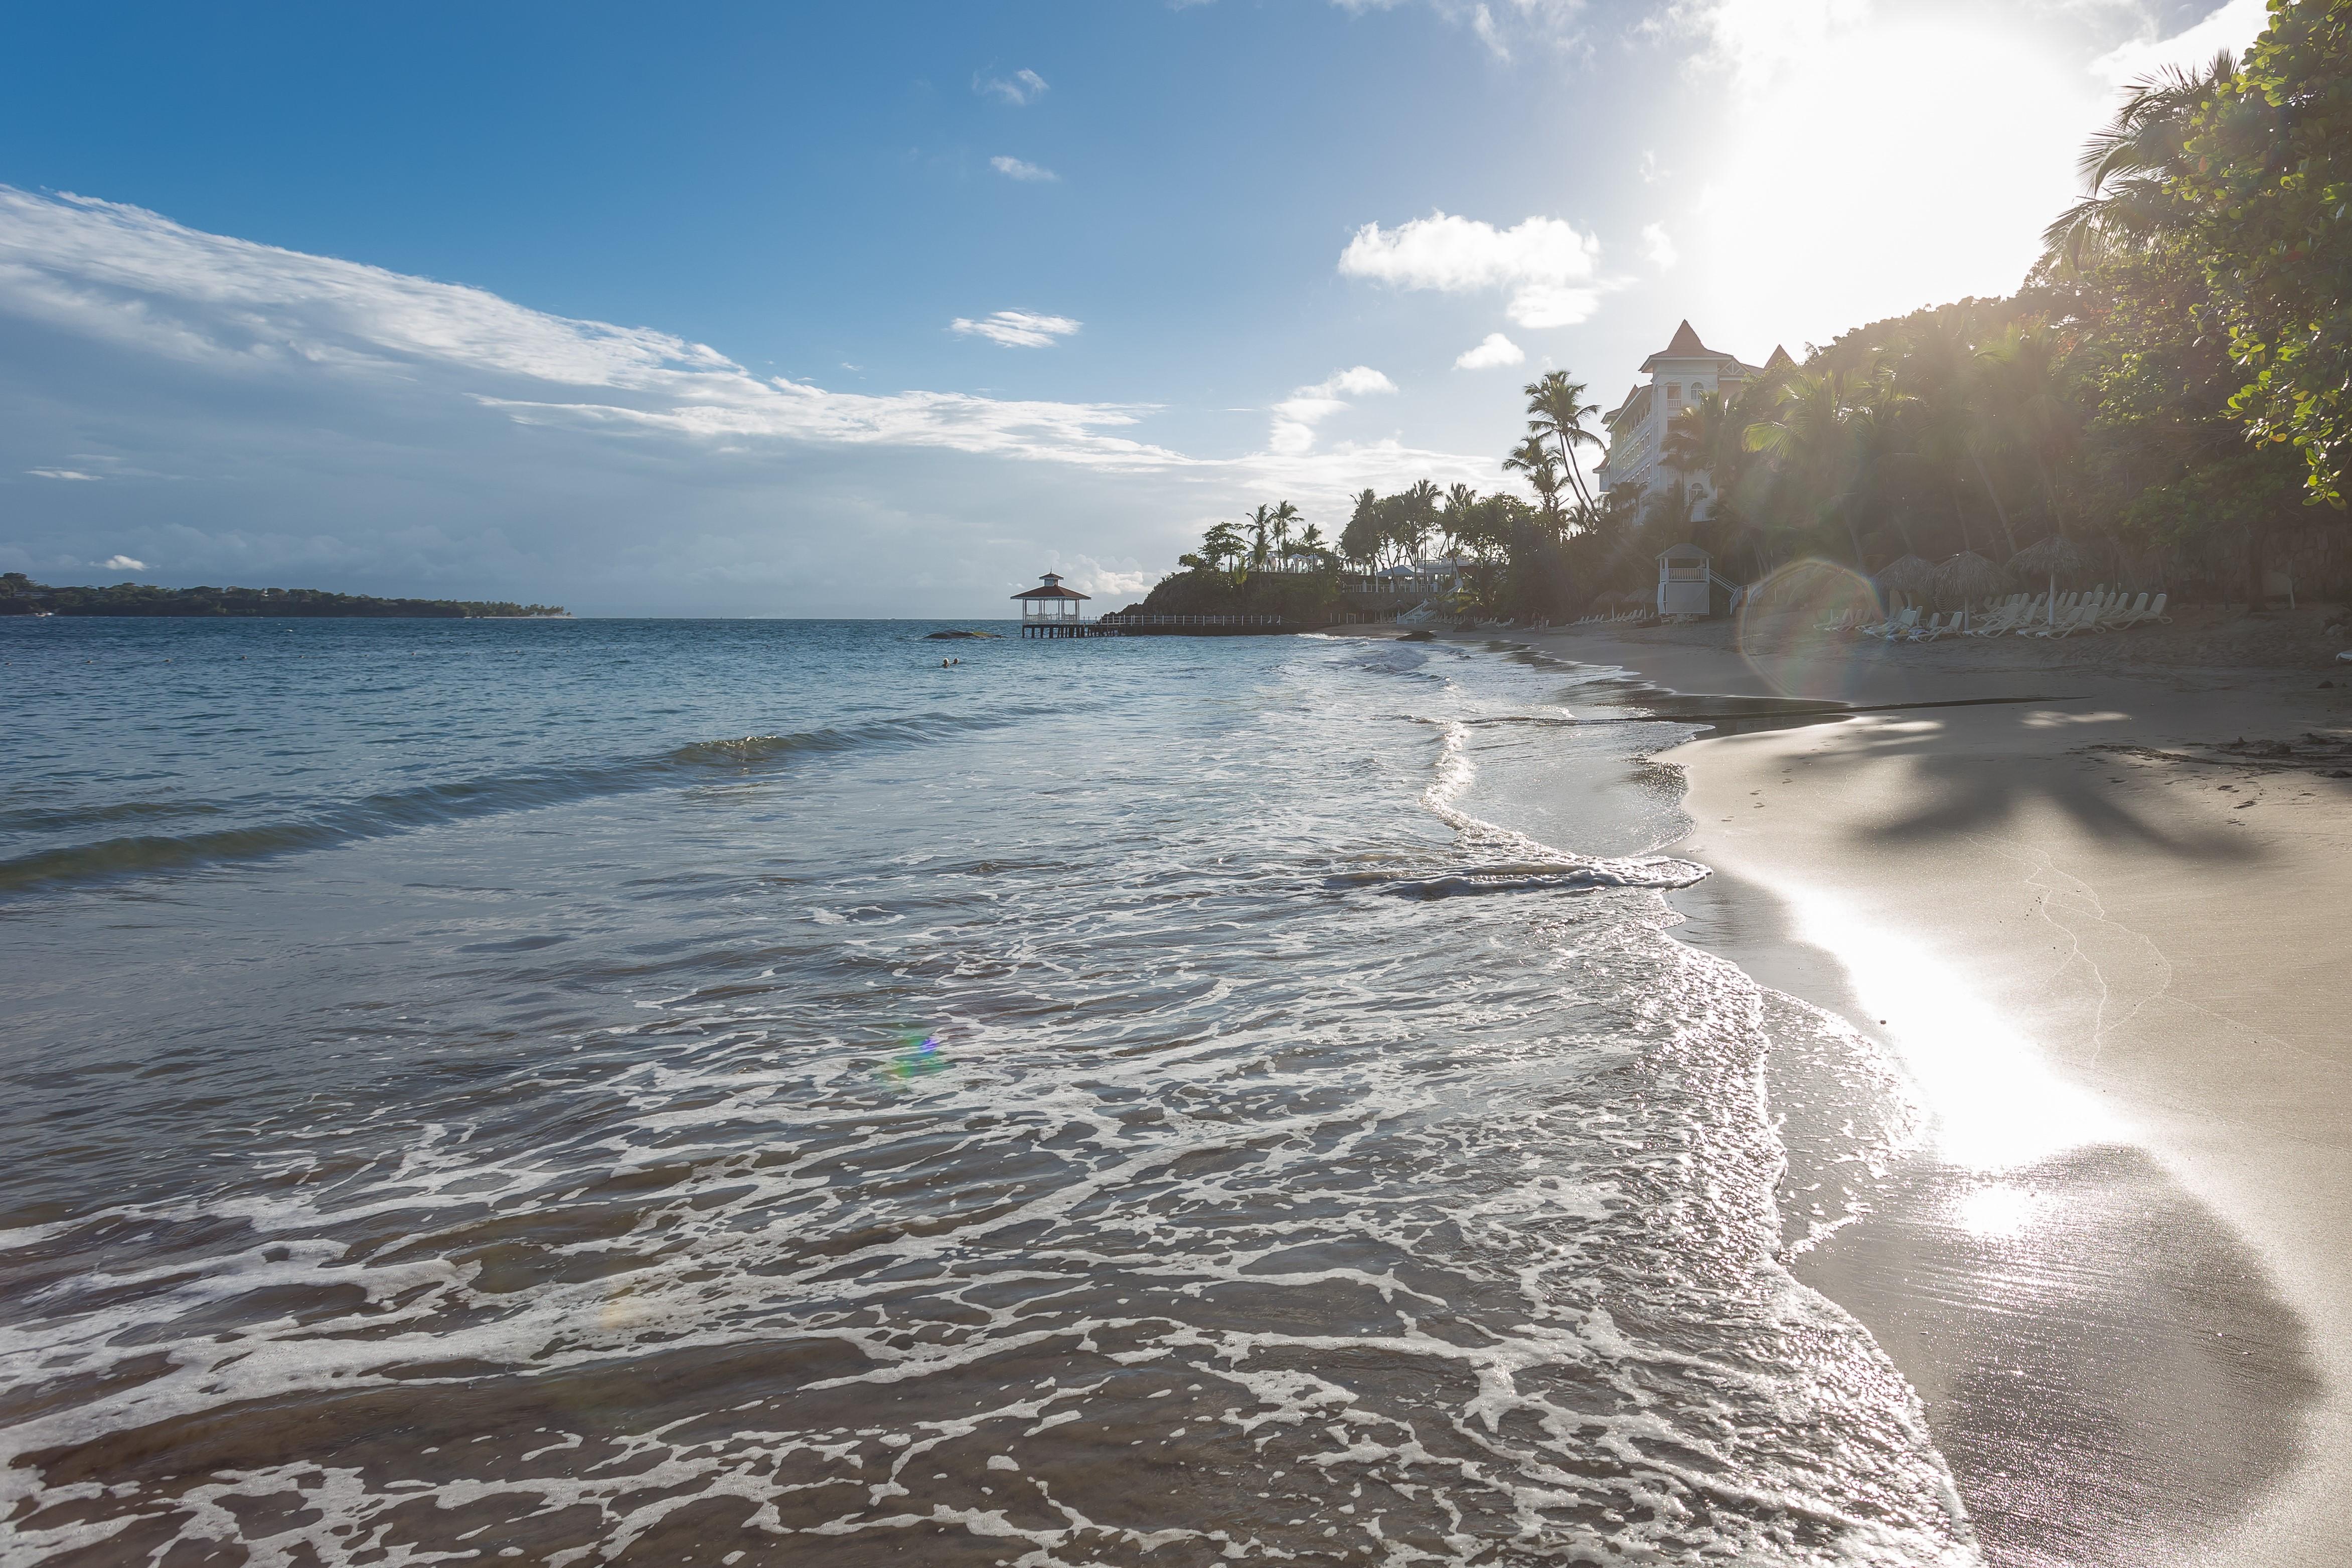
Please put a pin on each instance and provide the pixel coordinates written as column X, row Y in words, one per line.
column 1796, row 627
column 918, row 1057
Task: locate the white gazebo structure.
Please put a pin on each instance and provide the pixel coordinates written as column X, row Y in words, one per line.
column 1051, row 610
column 1683, row 579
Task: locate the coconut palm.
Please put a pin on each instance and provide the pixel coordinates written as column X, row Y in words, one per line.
column 1457, row 516
column 1808, row 441
column 2029, row 404
column 1284, row 515
column 1557, row 411
column 2128, row 167
column 1310, row 544
column 1536, row 460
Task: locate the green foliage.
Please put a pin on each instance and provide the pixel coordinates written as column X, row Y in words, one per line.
column 2269, row 175
column 2171, row 390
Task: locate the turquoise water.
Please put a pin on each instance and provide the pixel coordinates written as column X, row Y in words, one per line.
column 634, row 1091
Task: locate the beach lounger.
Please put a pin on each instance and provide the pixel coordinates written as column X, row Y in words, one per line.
column 2120, row 615
column 2084, row 616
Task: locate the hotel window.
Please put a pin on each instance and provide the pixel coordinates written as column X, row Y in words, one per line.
column 1674, row 390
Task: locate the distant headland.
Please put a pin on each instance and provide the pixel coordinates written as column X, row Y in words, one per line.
column 20, row 595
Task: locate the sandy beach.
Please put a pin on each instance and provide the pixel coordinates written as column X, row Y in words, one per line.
column 2107, row 939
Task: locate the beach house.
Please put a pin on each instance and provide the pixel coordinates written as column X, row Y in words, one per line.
column 1680, row 375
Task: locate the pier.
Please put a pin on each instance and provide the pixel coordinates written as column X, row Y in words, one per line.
column 1050, row 610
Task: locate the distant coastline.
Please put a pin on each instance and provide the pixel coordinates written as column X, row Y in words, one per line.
column 20, row 595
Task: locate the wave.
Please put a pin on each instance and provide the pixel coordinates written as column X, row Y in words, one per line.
column 394, row 812
column 1540, row 876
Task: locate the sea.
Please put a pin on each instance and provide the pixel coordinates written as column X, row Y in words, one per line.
column 804, row 1092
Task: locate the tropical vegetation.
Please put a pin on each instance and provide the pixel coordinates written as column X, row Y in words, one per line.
column 2167, row 395
column 20, row 595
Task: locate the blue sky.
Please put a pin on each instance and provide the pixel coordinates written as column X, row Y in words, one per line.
column 876, row 309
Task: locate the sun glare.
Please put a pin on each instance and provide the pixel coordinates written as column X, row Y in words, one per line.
column 1900, row 164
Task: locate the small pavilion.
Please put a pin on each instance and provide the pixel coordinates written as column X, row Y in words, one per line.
column 1051, row 610
column 1684, row 573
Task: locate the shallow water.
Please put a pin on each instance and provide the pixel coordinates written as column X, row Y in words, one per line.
column 585, row 1091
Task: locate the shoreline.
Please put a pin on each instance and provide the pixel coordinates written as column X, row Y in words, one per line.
column 2110, row 1276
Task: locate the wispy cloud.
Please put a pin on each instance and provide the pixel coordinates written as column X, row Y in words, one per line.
column 1495, row 350
column 1015, row 169
column 1022, row 87
column 454, row 442
column 1659, row 246
column 60, row 474
column 2230, row 28
column 123, row 563
column 1296, row 416
column 1015, row 328
column 1550, row 269
column 1500, row 24
column 1102, row 579
column 1755, row 42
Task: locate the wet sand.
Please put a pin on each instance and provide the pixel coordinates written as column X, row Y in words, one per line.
column 2111, row 946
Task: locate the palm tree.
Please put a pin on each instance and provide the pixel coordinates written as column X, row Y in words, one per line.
column 1363, row 538
column 1811, row 449
column 1312, row 543
column 2032, row 407
column 1284, row 516
column 1535, row 459
column 2127, row 167
column 1557, row 409
column 1456, row 514
column 1260, row 523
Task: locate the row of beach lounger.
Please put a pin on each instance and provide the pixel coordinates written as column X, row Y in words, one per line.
column 2020, row 615
column 1636, row 613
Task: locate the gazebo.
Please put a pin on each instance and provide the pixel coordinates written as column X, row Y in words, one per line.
column 1051, row 610
column 1684, row 573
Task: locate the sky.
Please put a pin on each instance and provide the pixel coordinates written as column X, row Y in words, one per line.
column 884, row 309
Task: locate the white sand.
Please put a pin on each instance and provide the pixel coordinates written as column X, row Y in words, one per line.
column 2124, row 1286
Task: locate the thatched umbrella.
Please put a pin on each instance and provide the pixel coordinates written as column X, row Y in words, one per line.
column 1967, row 578
column 2053, row 558
column 1911, row 575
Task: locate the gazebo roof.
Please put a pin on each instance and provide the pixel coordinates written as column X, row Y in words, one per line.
column 1684, row 550
column 1052, row 590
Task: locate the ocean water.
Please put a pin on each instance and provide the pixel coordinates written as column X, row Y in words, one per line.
column 742, row 1092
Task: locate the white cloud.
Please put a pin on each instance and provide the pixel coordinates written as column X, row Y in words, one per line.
column 1549, row 268
column 2232, row 27
column 1014, row 169
column 1756, row 42
column 1022, row 87
column 1101, row 579
column 61, row 474
column 1496, row 24
column 1296, row 416
column 1015, row 328
column 1658, row 245
column 123, row 564
column 453, row 443
column 1493, row 351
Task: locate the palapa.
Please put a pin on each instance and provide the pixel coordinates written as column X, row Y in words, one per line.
column 2056, row 556
column 1911, row 575
column 1967, row 579
column 2053, row 558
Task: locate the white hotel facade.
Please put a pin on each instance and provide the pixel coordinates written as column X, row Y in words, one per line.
column 1681, row 373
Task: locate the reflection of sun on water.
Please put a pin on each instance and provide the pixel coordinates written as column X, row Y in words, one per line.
column 1997, row 1104
column 1999, row 1211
